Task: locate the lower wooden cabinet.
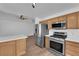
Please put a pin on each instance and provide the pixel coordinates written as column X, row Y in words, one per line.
column 72, row 48
column 13, row 48
column 7, row 48
column 46, row 42
column 21, row 46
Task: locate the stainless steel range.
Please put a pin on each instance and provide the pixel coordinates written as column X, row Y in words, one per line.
column 57, row 42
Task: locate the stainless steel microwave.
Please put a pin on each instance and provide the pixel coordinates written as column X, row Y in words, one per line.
column 59, row 25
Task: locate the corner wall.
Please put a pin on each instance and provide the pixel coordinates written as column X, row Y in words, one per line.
column 12, row 25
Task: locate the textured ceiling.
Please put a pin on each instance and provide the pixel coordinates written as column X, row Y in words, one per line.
column 41, row 10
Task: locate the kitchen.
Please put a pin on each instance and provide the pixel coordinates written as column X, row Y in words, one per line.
column 63, row 34
column 26, row 32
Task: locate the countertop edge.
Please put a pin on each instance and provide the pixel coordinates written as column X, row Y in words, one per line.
column 11, row 39
column 72, row 40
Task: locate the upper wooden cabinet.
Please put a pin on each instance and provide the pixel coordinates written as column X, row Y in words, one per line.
column 62, row 18
column 78, row 21
column 49, row 25
column 53, row 20
column 44, row 22
column 72, row 21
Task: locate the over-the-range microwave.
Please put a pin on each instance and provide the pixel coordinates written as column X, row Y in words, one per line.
column 59, row 25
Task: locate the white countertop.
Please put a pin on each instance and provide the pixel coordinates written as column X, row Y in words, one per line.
column 47, row 35
column 10, row 38
column 74, row 40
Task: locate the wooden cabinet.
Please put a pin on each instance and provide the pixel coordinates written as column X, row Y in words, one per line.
column 7, row 48
column 49, row 25
column 72, row 48
column 46, row 42
column 52, row 21
column 12, row 48
column 72, row 21
column 44, row 22
column 20, row 46
column 78, row 21
column 61, row 18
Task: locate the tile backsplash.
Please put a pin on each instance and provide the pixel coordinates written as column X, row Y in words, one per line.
column 71, row 33
column 54, row 30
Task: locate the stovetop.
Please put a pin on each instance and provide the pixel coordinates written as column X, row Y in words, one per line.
column 60, row 35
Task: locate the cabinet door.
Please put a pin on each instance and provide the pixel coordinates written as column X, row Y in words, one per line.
column 72, row 48
column 78, row 21
column 62, row 18
column 46, row 42
column 72, row 21
column 44, row 22
column 7, row 48
column 49, row 25
column 21, row 46
column 54, row 20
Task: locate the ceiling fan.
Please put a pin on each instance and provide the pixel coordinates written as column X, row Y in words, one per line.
column 22, row 17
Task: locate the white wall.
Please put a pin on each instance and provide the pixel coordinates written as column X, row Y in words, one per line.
column 36, row 20
column 12, row 25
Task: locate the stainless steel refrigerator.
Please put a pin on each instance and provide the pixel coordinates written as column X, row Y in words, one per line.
column 40, row 31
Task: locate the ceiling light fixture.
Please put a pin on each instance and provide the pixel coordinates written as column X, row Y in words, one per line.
column 33, row 5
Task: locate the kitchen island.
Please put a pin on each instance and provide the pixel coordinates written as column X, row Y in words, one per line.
column 13, row 45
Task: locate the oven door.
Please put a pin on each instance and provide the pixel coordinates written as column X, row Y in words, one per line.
column 57, row 45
